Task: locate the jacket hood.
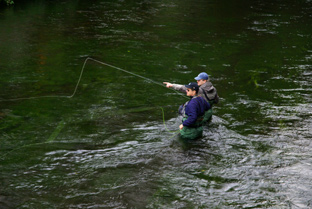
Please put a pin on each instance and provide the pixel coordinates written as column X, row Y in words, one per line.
column 207, row 86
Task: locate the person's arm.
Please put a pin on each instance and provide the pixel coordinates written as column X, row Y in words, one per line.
column 177, row 87
column 168, row 85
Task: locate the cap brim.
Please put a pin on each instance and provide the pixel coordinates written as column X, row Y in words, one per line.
column 197, row 78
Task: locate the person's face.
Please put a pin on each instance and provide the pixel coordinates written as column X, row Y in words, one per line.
column 201, row 82
column 190, row 92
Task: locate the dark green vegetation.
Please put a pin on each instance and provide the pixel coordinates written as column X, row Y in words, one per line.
column 7, row 2
column 107, row 147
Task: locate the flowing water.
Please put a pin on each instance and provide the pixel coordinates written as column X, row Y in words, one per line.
column 114, row 144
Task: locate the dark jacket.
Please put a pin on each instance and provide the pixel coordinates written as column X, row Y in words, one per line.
column 207, row 91
column 195, row 108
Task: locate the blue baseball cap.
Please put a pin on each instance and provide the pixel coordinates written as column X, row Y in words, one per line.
column 202, row 75
column 192, row 86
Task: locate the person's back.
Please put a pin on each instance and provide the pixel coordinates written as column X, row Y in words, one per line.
column 209, row 93
column 206, row 89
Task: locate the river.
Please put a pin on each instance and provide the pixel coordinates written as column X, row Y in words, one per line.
column 113, row 142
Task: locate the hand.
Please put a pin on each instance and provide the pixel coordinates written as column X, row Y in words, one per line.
column 181, row 126
column 168, row 85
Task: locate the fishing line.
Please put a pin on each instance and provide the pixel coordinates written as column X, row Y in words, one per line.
column 176, row 133
column 80, row 77
column 163, row 115
column 62, row 123
column 24, row 146
column 123, row 70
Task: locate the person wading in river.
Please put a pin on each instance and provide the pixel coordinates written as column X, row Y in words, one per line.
column 193, row 112
column 206, row 90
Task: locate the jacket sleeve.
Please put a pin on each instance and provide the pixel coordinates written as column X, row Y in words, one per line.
column 179, row 87
column 191, row 112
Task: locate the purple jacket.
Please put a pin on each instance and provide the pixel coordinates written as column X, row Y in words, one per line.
column 195, row 108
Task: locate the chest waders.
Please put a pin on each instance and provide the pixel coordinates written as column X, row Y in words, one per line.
column 194, row 131
column 207, row 116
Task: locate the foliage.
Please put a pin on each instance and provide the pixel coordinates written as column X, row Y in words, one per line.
column 8, row 2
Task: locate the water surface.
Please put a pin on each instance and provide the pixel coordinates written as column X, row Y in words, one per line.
column 108, row 147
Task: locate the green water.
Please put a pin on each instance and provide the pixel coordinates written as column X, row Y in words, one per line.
column 108, row 147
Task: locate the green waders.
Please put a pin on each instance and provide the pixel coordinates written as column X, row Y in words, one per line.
column 194, row 132
column 208, row 113
column 207, row 116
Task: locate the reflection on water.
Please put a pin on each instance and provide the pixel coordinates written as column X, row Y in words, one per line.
column 110, row 146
